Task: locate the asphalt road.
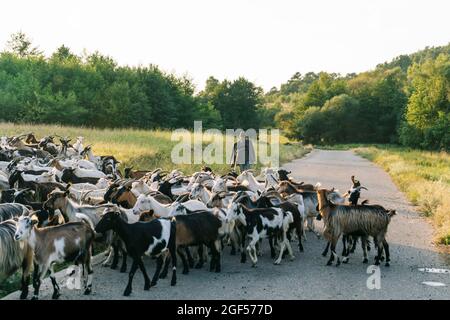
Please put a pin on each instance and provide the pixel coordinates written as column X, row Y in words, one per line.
column 307, row 277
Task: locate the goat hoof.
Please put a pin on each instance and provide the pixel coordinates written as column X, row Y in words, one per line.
column 55, row 295
column 329, row 263
column 387, row 264
column 277, row 262
column 127, row 292
column 345, row 260
column 34, row 298
column 87, row 291
column 173, row 283
column 23, row 295
column 292, row 258
column 382, row 258
column 153, row 283
column 146, row 286
column 365, row 260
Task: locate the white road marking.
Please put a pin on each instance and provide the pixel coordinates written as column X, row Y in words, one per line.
column 434, row 270
column 434, row 284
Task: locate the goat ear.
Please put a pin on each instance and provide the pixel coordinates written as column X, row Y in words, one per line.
column 34, row 221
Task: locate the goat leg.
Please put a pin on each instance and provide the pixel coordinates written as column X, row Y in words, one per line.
column 133, row 269
column 218, row 256
column 201, row 261
column 165, row 270
column 333, row 246
column 325, row 252
column 272, row 249
column 215, row 256
column 243, row 255
column 123, row 268
column 109, row 256
column 183, row 259
column 88, row 265
column 299, row 236
column 115, row 261
column 56, row 293
column 252, row 252
column 26, row 267
column 159, row 263
column 355, row 240
column 364, row 248
column 345, row 251
column 386, row 249
column 189, row 257
column 173, row 257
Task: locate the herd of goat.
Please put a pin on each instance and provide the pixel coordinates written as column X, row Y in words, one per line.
column 58, row 200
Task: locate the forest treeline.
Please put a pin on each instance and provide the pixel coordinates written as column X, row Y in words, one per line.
column 404, row 101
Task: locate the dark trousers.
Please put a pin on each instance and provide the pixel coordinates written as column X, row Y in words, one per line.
column 244, row 166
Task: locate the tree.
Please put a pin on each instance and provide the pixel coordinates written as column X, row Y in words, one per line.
column 237, row 102
column 428, row 110
column 21, row 45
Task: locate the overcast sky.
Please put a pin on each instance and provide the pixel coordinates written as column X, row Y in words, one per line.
column 265, row 41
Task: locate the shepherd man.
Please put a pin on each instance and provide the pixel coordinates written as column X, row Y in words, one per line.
column 243, row 153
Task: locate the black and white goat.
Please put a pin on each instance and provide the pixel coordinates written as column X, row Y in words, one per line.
column 155, row 238
column 261, row 223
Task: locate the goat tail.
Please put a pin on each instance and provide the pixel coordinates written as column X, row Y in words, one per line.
column 391, row 213
column 318, row 185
